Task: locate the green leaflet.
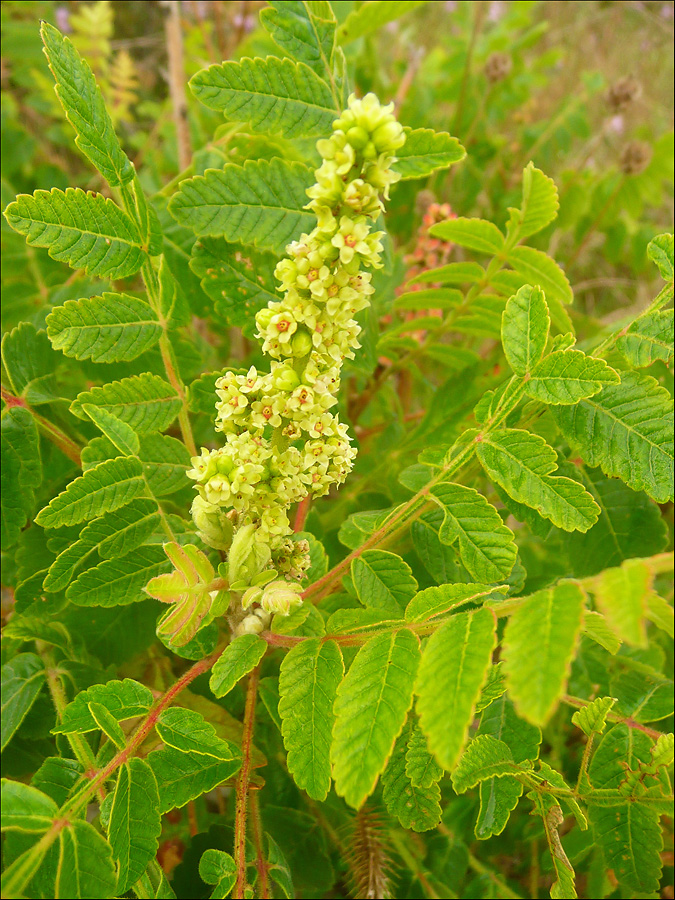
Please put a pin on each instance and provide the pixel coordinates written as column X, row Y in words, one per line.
column 272, row 95
column 22, row 680
column 121, row 435
column 437, row 558
column 85, row 108
column 593, row 718
column 660, row 251
column 108, row 486
column 108, row 724
column 109, row 328
column 486, row 545
column 306, row 31
column 145, row 402
column 118, row 581
column 621, row 596
column 182, row 777
column 85, row 230
column 485, row 757
column 630, row 836
column 453, row 669
column 308, row 682
column 153, row 883
column 660, row 612
column 649, row 338
column 539, row 643
column 56, row 777
column 626, row 429
column 217, row 867
column 370, row 709
column 188, row 731
column 630, row 525
column 135, row 824
column 420, row 765
column 437, row 600
column 239, row 284
column 25, row 808
column 29, row 361
column 476, row 234
column 371, row 15
column 259, row 203
column 21, row 471
column 525, row 327
column 417, row 808
column 383, row 581
column 567, row 376
column 426, row 151
column 540, row 269
column 521, row 463
column 540, row 204
column 240, row 657
column 123, row 700
column 498, row 798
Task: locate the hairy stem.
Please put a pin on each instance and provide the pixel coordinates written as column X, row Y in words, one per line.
column 260, row 861
column 243, row 781
column 52, row 432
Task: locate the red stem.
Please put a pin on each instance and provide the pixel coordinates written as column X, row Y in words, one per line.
column 260, row 863
column 301, row 513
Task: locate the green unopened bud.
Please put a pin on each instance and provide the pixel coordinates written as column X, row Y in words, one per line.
column 213, row 526
column 357, row 137
column 281, row 597
column 248, row 556
column 224, row 465
column 250, row 625
column 388, row 137
column 370, row 151
column 301, row 344
column 285, row 378
column 263, row 318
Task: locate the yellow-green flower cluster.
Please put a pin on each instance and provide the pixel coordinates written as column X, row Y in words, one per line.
column 282, row 441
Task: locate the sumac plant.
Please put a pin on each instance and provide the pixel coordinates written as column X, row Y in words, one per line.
column 441, row 675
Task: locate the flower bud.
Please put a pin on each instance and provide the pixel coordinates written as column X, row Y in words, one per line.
column 357, row 137
column 248, row 556
column 250, row 625
column 301, row 344
column 281, row 597
column 213, row 526
column 285, row 378
column 388, row 137
column 263, row 318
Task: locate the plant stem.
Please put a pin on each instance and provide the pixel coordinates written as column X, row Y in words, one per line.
column 260, row 862
column 242, row 788
column 52, row 432
column 478, row 13
column 174, row 47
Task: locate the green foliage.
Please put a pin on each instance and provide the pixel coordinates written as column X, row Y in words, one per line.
column 471, row 692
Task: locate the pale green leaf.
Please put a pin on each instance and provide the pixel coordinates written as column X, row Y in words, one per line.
column 118, row 581
column 272, row 95
column 189, row 732
column 476, row 234
column 145, row 402
column 426, row 151
column 121, row 531
column 135, row 825
column 437, row 558
column 239, row 658
column 85, row 108
column 371, row 15
column 597, row 629
column 383, row 581
column 453, row 273
column 259, row 203
column 630, row 836
column 109, row 328
column 87, row 231
column 522, row 463
column 108, row 486
column 525, row 327
column 593, row 718
column 660, row 612
column 21, row 471
column 107, row 723
column 539, row 642
column 165, row 462
column 438, row 600
column 123, row 699
column 417, row 808
column 26, row 809
column 539, row 269
column 306, row 31
column 485, row 757
column 153, row 884
column 494, row 687
column 22, row 680
column 218, row 868
column 649, row 338
column 660, row 251
column 182, row 777
column 498, row 798
column 567, row 376
column 361, row 621
column 420, row 765
column 308, row 682
column 621, row 595
column 85, row 865
column 486, row 545
column 627, row 430
column 370, row 709
column 435, row 298
column 453, row 669
column 540, row 204
column 122, row 436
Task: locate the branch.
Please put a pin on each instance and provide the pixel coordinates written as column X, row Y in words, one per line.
column 174, row 47
column 242, row 788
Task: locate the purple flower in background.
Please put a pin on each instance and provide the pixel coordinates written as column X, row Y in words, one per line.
column 496, row 10
column 62, row 15
column 617, row 124
column 450, row 5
